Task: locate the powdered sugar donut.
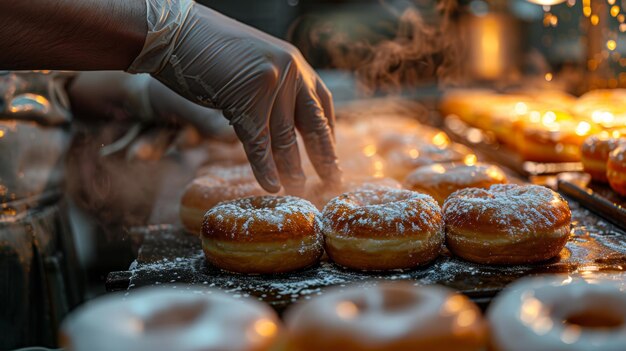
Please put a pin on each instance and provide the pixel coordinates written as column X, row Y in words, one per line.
column 506, row 224
column 382, row 229
column 398, row 317
column 214, row 185
column 166, row 319
column 558, row 313
column 262, row 235
column 441, row 180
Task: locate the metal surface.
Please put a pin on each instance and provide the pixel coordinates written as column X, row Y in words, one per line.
column 597, row 197
column 170, row 256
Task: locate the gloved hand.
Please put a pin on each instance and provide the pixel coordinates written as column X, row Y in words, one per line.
column 263, row 85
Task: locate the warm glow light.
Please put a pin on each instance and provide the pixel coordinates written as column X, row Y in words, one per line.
column 531, row 308
column 378, row 169
column 547, row 2
column 470, row 160
column 595, row 20
column 571, row 334
column 490, row 63
column 611, row 45
column 466, row 318
column 453, row 305
column 611, row 2
column 548, row 118
column 369, row 150
column 440, row 139
column 583, row 128
column 535, row 116
column 347, row 310
column 1, row 133
column 265, row 327
column 615, row 10
column 413, row 153
column 439, row 169
column 521, row 108
column 548, row 77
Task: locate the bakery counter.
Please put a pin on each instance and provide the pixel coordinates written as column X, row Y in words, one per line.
column 169, row 256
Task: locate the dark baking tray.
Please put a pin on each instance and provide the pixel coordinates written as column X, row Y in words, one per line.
column 598, row 197
column 167, row 255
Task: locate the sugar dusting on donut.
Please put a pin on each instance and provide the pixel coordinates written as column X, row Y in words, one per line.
column 509, row 207
column 274, row 210
column 388, row 208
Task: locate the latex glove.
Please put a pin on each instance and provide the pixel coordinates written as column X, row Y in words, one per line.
column 263, row 85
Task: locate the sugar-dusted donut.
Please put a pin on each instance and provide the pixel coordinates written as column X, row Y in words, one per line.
column 382, row 229
column 558, row 313
column 398, row 317
column 262, row 235
column 506, row 224
column 166, row 319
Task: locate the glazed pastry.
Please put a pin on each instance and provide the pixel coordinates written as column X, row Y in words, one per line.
column 595, row 155
column 382, row 229
column 262, row 235
column 166, row 319
column 506, row 224
column 214, row 185
column 398, row 317
column 558, row 313
column 616, row 170
column 441, row 180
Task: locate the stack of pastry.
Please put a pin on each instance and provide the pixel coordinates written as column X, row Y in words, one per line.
column 545, row 126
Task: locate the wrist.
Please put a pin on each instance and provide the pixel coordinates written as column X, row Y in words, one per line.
column 165, row 19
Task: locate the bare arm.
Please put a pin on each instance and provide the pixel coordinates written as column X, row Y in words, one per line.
column 71, row 34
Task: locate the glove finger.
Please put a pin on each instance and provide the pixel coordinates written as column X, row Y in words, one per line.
column 316, row 133
column 284, row 142
column 256, row 143
column 326, row 99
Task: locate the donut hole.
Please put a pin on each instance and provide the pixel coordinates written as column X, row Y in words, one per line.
column 178, row 316
column 595, row 319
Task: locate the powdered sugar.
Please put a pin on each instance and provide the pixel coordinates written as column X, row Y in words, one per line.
column 393, row 210
column 508, row 208
column 240, row 215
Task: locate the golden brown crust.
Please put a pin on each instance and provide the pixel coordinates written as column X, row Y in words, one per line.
column 378, row 255
column 506, row 224
column 595, row 155
column 616, row 170
column 270, row 258
column 441, row 180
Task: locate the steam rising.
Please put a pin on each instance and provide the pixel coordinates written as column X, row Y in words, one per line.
column 418, row 52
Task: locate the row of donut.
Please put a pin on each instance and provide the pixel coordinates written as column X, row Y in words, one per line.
column 218, row 183
column 380, row 228
column 604, row 158
column 550, row 313
column 543, row 126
